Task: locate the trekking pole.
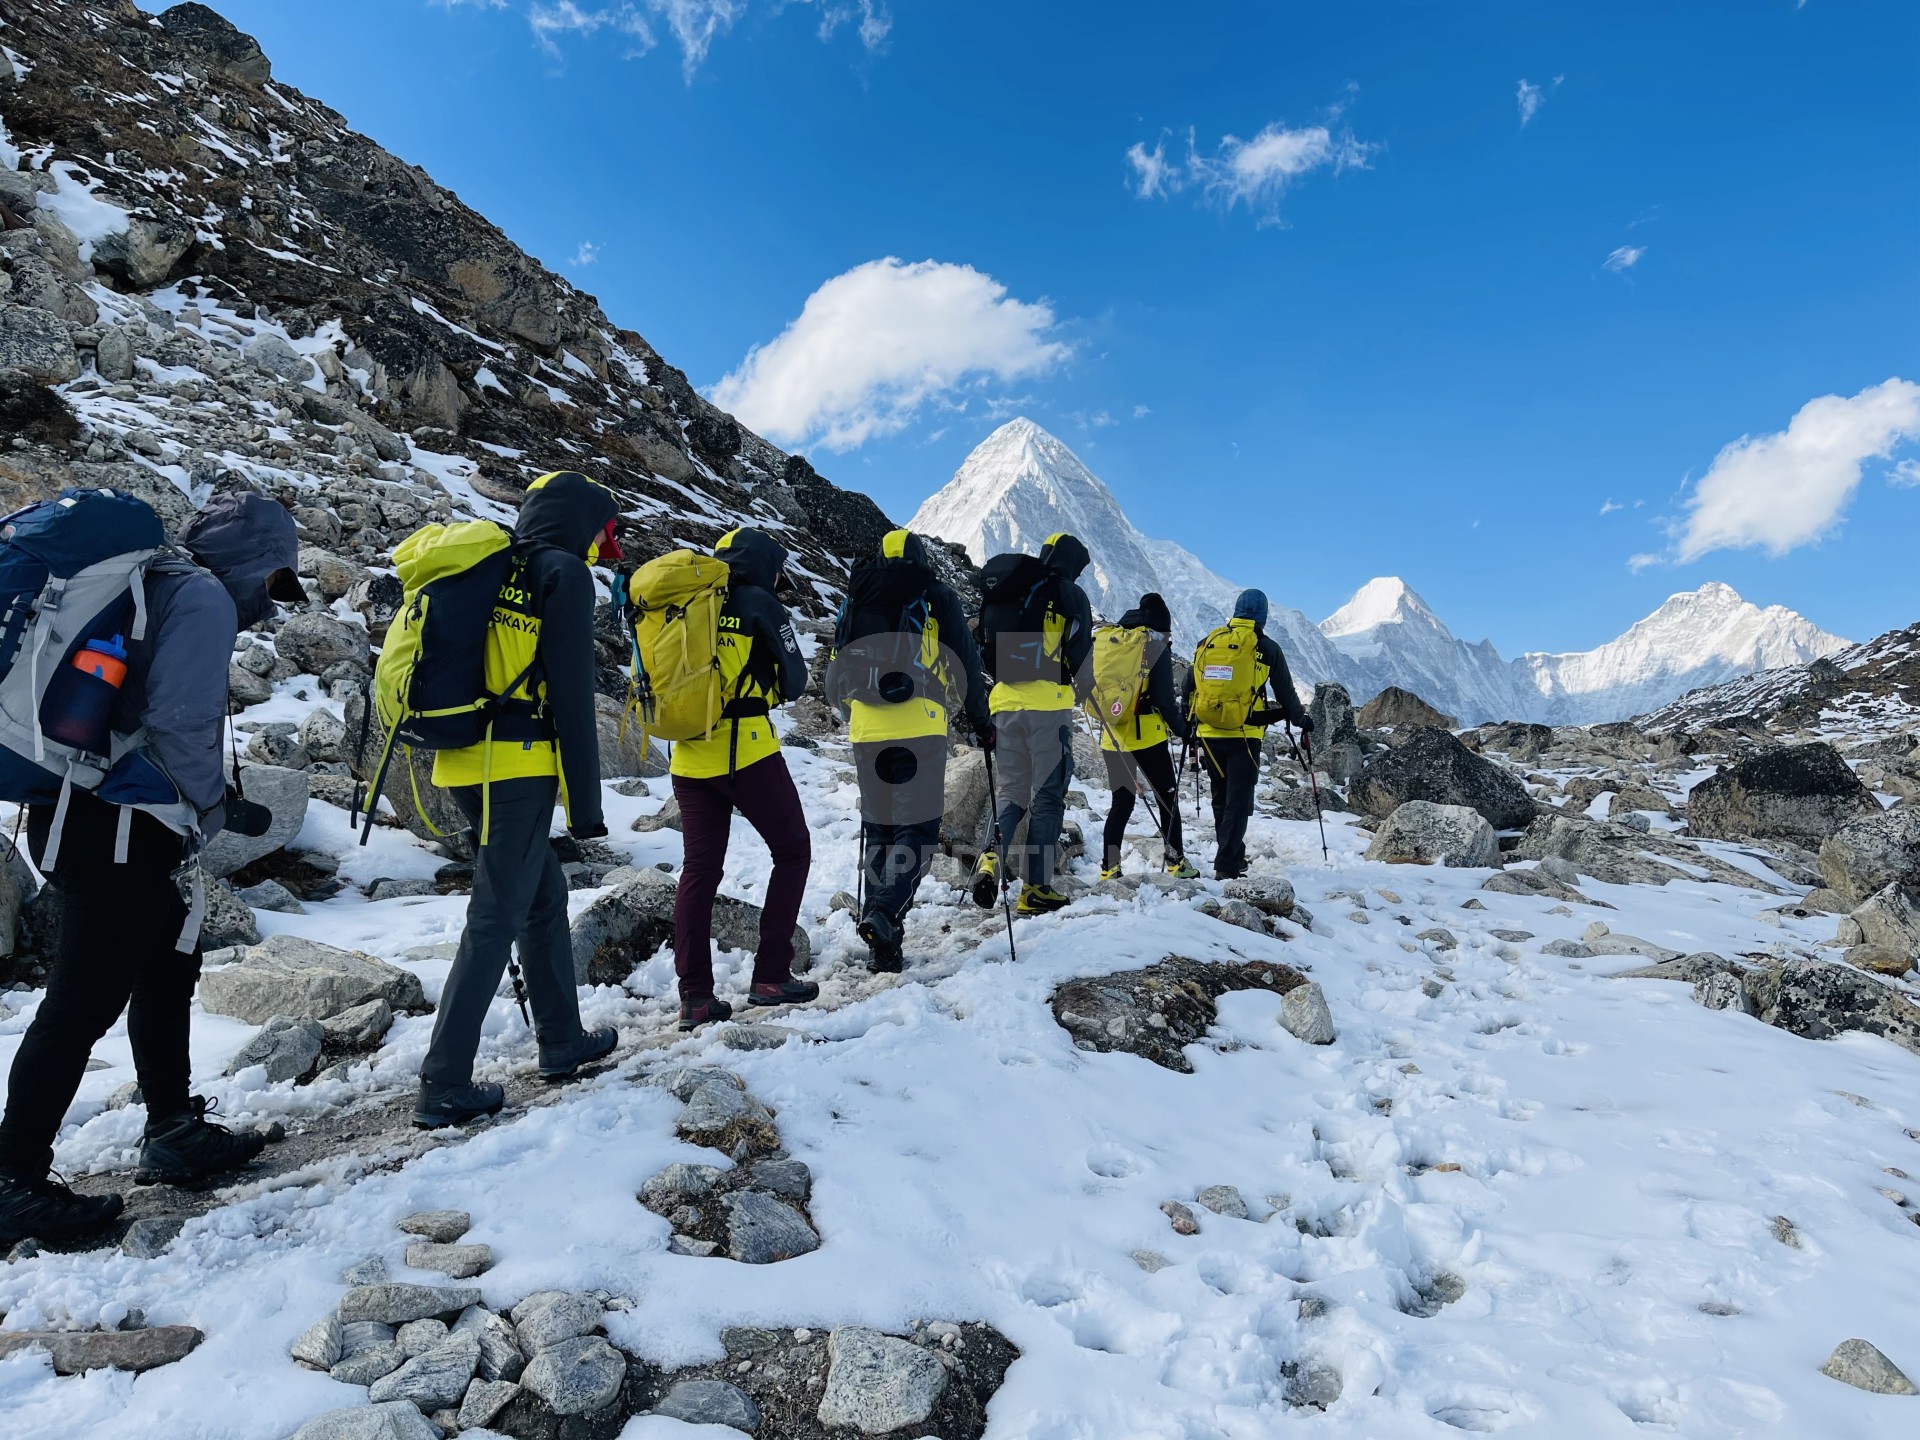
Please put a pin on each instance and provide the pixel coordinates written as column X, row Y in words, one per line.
column 519, row 989
column 1143, row 791
column 999, row 848
column 1306, row 739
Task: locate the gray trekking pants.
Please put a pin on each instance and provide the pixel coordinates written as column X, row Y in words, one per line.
column 520, row 902
column 1033, row 763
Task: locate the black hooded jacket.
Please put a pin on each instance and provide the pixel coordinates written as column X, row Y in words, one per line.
column 754, row 562
column 1065, row 556
column 1160, row 698
column 558, row 525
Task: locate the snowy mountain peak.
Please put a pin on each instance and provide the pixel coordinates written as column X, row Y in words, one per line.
column 1385, row 600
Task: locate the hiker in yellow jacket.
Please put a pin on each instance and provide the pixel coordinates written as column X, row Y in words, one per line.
column 1136, row 743
column 1232, row 667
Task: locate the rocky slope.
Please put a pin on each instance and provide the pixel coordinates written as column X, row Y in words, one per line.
column 228, row 285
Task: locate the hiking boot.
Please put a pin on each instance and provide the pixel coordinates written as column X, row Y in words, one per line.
column 188, row 1148
column 1111, row 872
column 784, row 992
column 442, row 1105
column 41, row 1208
column 695, row 1013
column 562, row 1062
column 881, row 936
column 986, row 880
column 1183, row 869
column 1040, row 900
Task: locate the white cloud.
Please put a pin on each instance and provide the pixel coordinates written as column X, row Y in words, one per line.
column 1256, row 172
column 1790, row 488
column 1140, row 412
column 694, row 24
column 1530, row 97
column 1906, row 474
column 1637, row 563
column 875, row 345
column 1610, row 506
column 1623, row 258
column 565, row 17
column 587, row 254
column 875, row 23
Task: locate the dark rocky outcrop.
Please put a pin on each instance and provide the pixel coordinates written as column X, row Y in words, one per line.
column 1156, row 1012
column 1798, row 793
column 1868, row 854
column 1432, row 765
column 1397, row 709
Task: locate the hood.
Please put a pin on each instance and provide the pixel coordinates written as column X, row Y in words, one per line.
column 753, row 556
column 244, row 539
column 1151, row 612
column 567, row 511
column 1252, row 605
column 907, row 547
column 1065, row 556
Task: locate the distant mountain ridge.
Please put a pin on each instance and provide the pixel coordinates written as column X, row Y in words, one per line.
column 1022, row 484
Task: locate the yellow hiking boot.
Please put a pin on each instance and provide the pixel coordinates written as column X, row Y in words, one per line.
column 986, row 880
column 1112, row 872
column 1182, row 870
column 1040, row 900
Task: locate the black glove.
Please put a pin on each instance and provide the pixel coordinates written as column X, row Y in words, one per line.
column 987, row 736
column 245, row 817
column 588, row 832
column 1306, row 724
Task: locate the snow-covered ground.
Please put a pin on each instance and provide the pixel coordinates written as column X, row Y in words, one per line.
column 1594, row 1166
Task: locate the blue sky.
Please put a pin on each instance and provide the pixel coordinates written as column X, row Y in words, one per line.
column 1322, row 292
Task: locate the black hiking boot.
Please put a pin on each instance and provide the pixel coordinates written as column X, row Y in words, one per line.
column 189, row 1149
column 985, row 886
column 881, row 935
column 695, row 1013
column 39, row 1207
column 442, row 1105
column 563, row 1062
column 784, row 992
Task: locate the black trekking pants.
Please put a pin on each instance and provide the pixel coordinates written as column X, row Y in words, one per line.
column 1152, row 767
column 1233, row 768
column 903, row 791
column 519, row 903
column 118, row 928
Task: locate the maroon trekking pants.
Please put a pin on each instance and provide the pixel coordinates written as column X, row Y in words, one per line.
column 764, row 793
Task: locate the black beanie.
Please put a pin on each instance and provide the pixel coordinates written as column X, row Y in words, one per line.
column 1154, row 611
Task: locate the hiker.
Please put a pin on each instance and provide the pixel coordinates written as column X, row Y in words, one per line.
column 738, row 766
column 544, row 750
column 128, row 940
column 1138, row 718
column 1036, row 634
column 1233, row 665
column 903, row 660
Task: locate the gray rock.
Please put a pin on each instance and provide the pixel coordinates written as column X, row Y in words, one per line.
column 1315, row 1385
column 692, row 1246
column 1890, row 920
column 1269, row 894
column 442, row 1226
column 878, row 1383
column 361, row 1028
column 762, row 1230
column 229, row 921
column 484, row 1401
column 1866, row 855
column 716, row 1111
column 272, row 896
column 1722, row 990
column 1802, row 793
column 289, row 1048
column 370, row 1271
column 315, row 640
column 271, row 355
column 434, row 1380
column 457, row 1262
column 399, row 889
column 621, row 755
column 284, row 792
column 963, row 823
column 1423, row 833
column 500, row 1354
column 38, row 344
column 324, row 736
column 580, row 1376
column 552, row 1317
column 113, row 356
column 1151, row 1261
column 710, row 1402
column 287, row 975
column 624, row 927
column 320, row 1346
column 1305, row 1016
column 1567, row 949
column 364, row 1335
column 145, row 253
column 790, row 1179
column 148, row 1238
column 278, row 744
column 1223, row 1200
column 1861, row 1365
column 677, row 1184
column 396, row 1304
column 1234, row 912
column 1432, row 765
column 74, row 1352
column 1338, row 745
column 1819, row 999
column 667, row 817
column 416, row 1337
column 395, row 1420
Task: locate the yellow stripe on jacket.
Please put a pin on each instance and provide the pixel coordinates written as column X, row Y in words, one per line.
column 1141, row 731
column 1037, row 694
column 909, row 719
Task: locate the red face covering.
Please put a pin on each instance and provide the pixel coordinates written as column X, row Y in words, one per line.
column 606, row 548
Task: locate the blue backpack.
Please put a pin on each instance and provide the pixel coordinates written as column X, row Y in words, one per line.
column 73, row 577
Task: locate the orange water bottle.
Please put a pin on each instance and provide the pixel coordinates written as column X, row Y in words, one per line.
column 78, row 709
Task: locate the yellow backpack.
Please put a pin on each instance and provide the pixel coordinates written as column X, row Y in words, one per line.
column 1225, row 684
column 675, row 603
column 1120, row 667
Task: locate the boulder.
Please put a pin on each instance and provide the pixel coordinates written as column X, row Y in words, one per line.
column 394, row 1420
column 1890, row 920
column 1801, row 793
column 1860, row 1364
column 394, row 1304
column 17, row 886
column 368, row 1364
column 456, row 1262
column 272, row 355
column 285, row 793
column 1423, row 833
column 74, row 1352
column 145, row 253
column 1397, row 709
column 484, row 1401
column 1868, row 854
column 1269, row 894
column 500, row 1355
column 287, row 975
column 289, row 1048
column 442, row 1227
column 316, row 641
column 320, row 1346
column 434, row 1379
column 1618, row 855
column 361, row 1028
column 1820, row 999
column 621, row 753
column 408, row 784
column 710, row 1402
column 1305, row 1016
column 877, row 1383
column 37, row 344
column 551, row 1317
column 581, row 1376
column 113, row 356
column 1157, row 1012
column 1432, row 765
column 624, row 927
column 964, row 826
column 762, row 1230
